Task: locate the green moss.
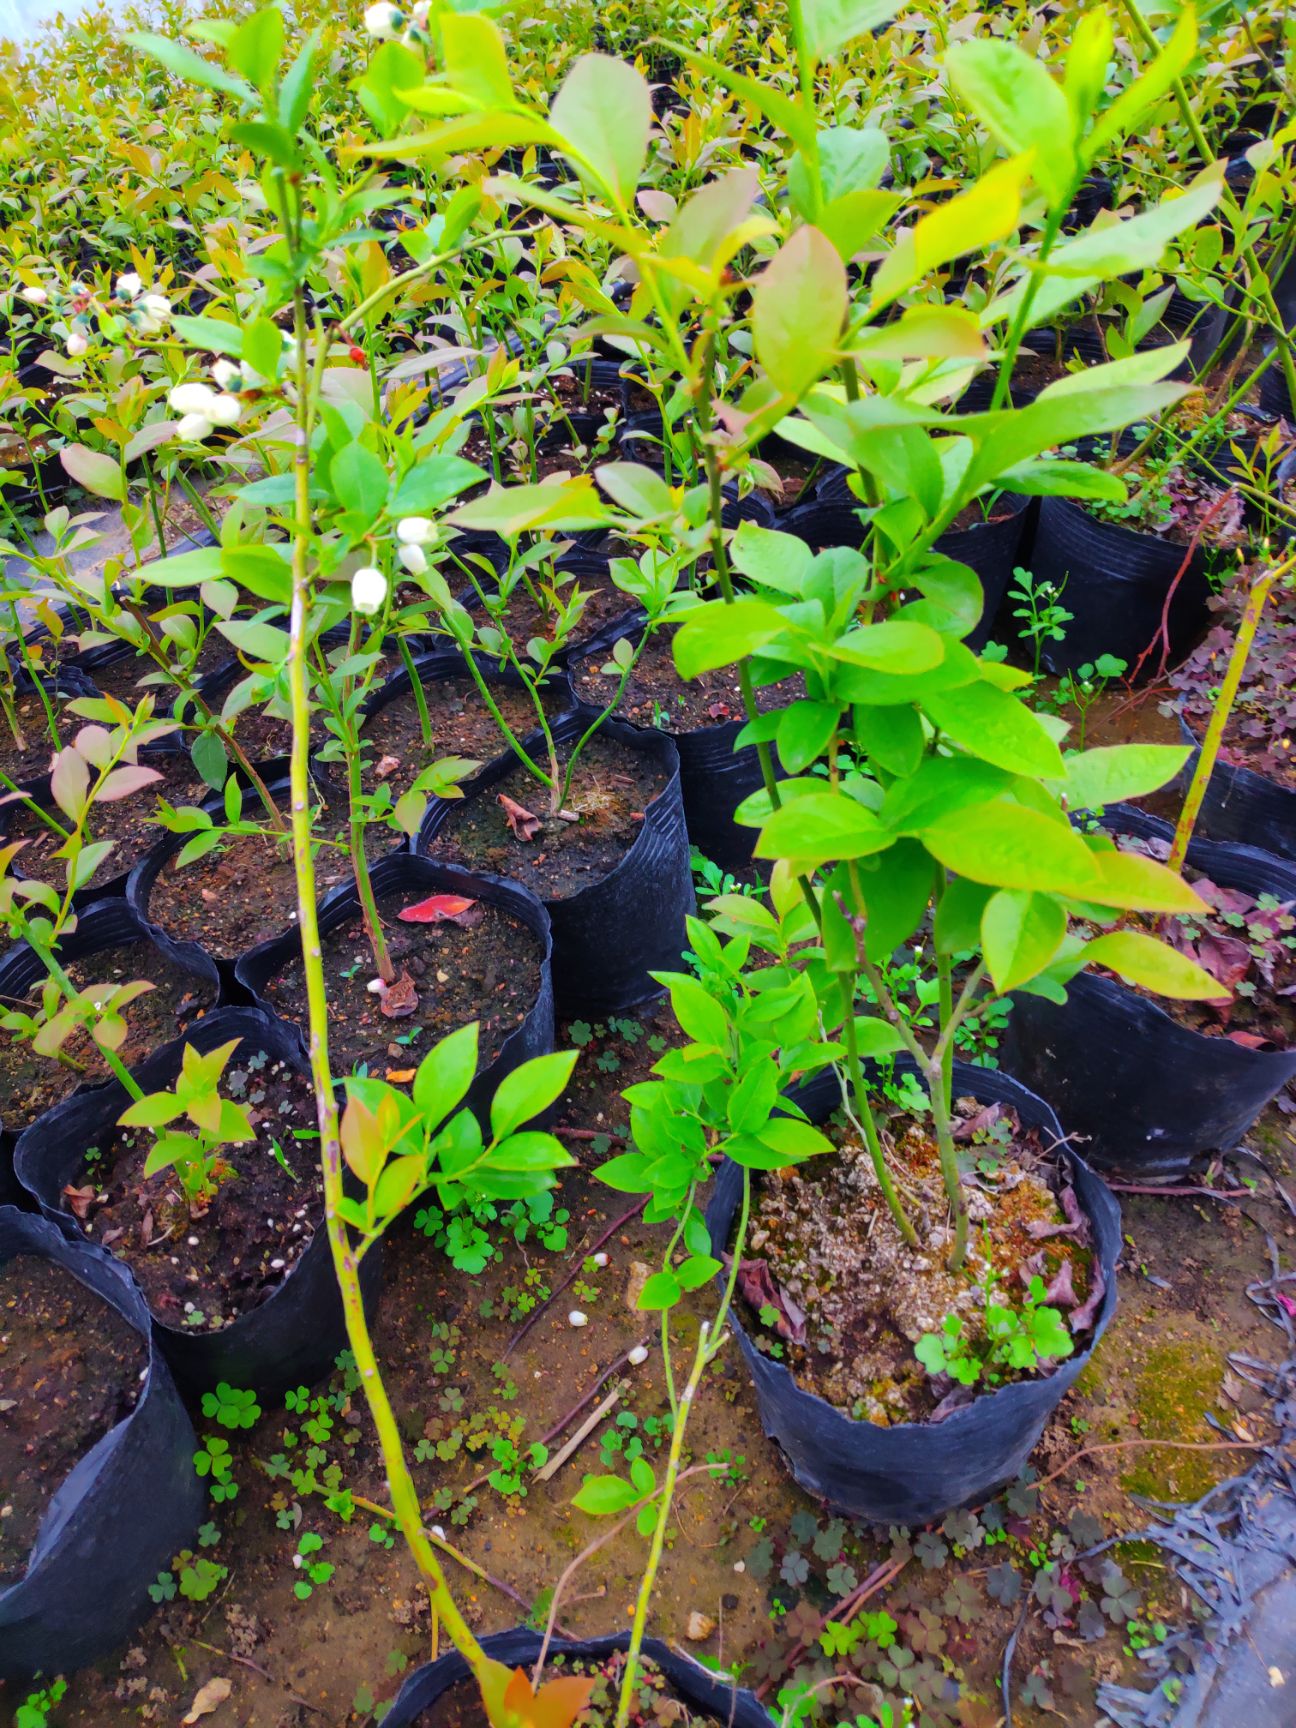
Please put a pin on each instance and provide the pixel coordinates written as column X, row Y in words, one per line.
column 1178, row 1384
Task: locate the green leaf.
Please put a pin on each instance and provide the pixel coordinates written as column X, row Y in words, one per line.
column 637, row 489
column 896, row 895
column 601, row 1496
column 722, row 632
column 187, row 569
column 662, row 1290
column 957, row 926
column 214, row 335
column 185, row 63
column 511, row 510
column 1017, row 101
column 820, row 828
column 891, row 737
column 698, row 1012
column 475, row 61
column 831, row 24
column 260, row 570
column 1112, row 773
column 896, row 646
column 603, row 111
column 805, row 731
column 444, row 1075
column 530, row 1089
column 1006, row 845
column 1144, row 961
column 798, row 309
column 996, row 727
column 95, row 470
column 154, row 1111
column 1020, row 934
column 694, row 1272
column 359, row 482
column 265, row 642
column 1156, row 79
column 433, row 483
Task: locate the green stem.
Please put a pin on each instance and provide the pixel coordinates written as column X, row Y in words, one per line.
column 864, row 1111
column 1207, row 755
column 405, row 1503
column 420, row 695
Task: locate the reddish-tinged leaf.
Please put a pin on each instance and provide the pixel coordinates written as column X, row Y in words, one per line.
column 524, row 825
column 443, row 909
column 757, row 1285
column 125, row 780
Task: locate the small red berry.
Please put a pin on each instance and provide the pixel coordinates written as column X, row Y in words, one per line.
column 357, row 354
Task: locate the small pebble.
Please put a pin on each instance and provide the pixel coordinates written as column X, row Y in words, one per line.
column 576, row 1318
column 192, row 1241
column 600, row 1259
column 638, row 1354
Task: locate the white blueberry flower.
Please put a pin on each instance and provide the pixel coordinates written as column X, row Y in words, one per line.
column 76, row 344
column 414, row 559
column 225, row 410
column 156, row 305
column 192, row 398
column 36, row 296
column 417, row 531
column 128, row 286
column 368, row 590
column 382, row 18
column 193, row 428
column 576, row 1318
column 224, row 372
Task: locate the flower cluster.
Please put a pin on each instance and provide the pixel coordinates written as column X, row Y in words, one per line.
column 129, row 304
column 202, row 410
column 413, row 533
column 387, row 21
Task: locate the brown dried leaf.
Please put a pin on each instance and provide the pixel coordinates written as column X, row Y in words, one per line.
column 524, row 824
column 399, row 1000
column 208, row 1698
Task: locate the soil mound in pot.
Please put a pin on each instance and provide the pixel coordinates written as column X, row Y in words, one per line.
column 71, row 1368
column 655, row 1701
column 834, row 1290
column 200, row 1270
column 656, row 695
column 610, row 790
column 30, row 1084
column 476, row 962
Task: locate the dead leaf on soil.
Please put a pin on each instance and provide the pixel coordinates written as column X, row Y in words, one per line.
column 524, row 824
column 208, row 1698
column 399, row 1000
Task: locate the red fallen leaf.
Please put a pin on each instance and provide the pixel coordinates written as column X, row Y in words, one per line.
column 443, row 909
column 399, row 1000
column 1248, row 1040
column 80, row 1201
column 718, row 711
column 1061, row 1292
column 386, row 765
column 524, row 825
column 399, row 1076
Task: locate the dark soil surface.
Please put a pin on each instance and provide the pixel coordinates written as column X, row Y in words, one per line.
column 127, row 822
column 202, row 1272
column 656, row 695
column 483, row 966
column 70, row 1369
column 34, row 758
column 850, row 1300
column 612, row 786
column 1182, row 505
column 1261, row 731
column 243, row 893
column 655, row 1701
column 974, row 516
column 461, row 725
column 30, row 1084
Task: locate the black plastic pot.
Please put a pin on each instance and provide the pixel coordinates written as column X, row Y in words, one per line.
column 1144, row 1094
column 104, row 924
column 916, row 1472
column 607, row 938
column 131, row 1503
column 534, row 1037
column 714, row 780
column 294, row 1335
column 139, row 882
column 1244, row 807
column 1116, row 582
column 704, row 1691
